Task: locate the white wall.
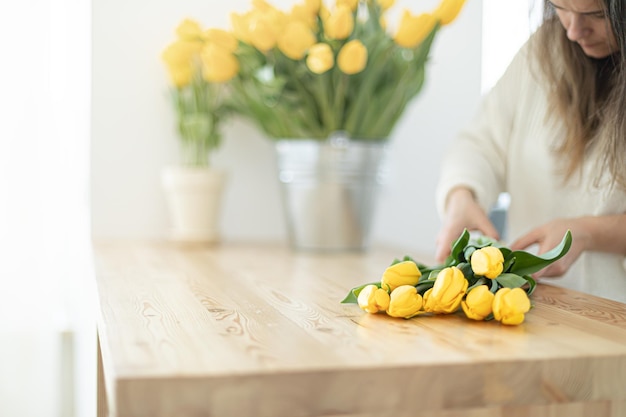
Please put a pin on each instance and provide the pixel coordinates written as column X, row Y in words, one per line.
column 506, row 27
column 133, row 136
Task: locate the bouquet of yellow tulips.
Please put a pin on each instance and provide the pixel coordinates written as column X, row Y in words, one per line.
column 200, row 63
column 316, row 70
column 305, row 73
column 484, row 279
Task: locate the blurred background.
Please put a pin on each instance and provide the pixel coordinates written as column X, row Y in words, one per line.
column 86, row 128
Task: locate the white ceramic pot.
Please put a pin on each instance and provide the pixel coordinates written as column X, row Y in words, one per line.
column 194, row 198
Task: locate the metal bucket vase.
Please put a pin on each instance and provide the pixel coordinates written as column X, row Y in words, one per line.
column 329, row 191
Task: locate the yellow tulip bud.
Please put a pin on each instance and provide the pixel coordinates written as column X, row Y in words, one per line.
column 180, row 53
column 478, row 303
column 448, row 10
column 402, row 273
column 180, row 76
column 487, row 261
column 324, row 12
column 352, row 57
column 510, row 305
column 351, row 4
column 218, row 65
column 296, row 40
column 241, row 26
column 320, row 58
column 340, row 23
column 404, row 302
column 179, row 58
column 262, row 34
column 373, row 299
column 189, row 30
column 222, row 38
column 412, row 30
column 447, row 293
column 262, row 6
column 301, row 13
column 313, row 5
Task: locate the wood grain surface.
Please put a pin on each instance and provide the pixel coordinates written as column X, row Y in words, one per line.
column 258, row 330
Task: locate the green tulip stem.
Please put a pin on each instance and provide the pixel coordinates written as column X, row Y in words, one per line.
column 341, row 82
column 321, row 92
column 365, row 95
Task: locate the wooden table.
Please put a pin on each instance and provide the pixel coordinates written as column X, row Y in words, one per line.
column 258, row 331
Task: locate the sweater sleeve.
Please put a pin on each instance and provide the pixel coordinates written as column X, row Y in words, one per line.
column 477, row 158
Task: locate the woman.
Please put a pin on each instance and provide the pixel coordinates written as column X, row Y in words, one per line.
column 552, row 133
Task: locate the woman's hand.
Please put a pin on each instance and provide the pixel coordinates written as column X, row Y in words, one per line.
column 548, row 236
column 591, row 233
column 462, row 212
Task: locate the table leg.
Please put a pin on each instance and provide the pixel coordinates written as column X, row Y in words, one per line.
column 102, row 396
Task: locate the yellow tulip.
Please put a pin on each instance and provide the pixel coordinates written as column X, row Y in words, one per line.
column 180, row 53
column 189, row 30
column 320, row 58
column 402, row 273
column 487, row 261
column 352, row 57
column 180, row 76
column 222, row 38
column 448, row 10
column 262, row 34
column 324, row 13
column 478, row 303
column 412, row 30
column 179, row 58
column 262, row 6
column 259, row 27
column 296, row 40
column 351, row 4
column 218, row 64
column 447, row 293
column 340, row 23
column 373, row 299
column 510, row 305
column 313, row 5
column 386, row 4
column 404, row 302
column 301, row 13
column 241, row 26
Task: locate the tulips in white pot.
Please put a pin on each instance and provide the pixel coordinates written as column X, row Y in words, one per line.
column 200, row 63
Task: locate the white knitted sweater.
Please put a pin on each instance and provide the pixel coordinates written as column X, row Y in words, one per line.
column 507, row 148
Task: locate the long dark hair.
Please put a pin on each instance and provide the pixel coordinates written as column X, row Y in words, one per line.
column 588, row 94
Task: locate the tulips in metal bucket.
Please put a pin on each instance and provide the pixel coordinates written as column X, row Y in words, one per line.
column 484, row 279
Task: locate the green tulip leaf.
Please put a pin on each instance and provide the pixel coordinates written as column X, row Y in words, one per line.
column 353, row 295
column 495, row 286
column 508, row 280
column 466, row 269
column 422, row 287
column 525, row 263
column 532, row 284
column 482, row 241
column 457, row 248
column 467, row 253
column 480, row 281
column 433, row 274
column 489, row 317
